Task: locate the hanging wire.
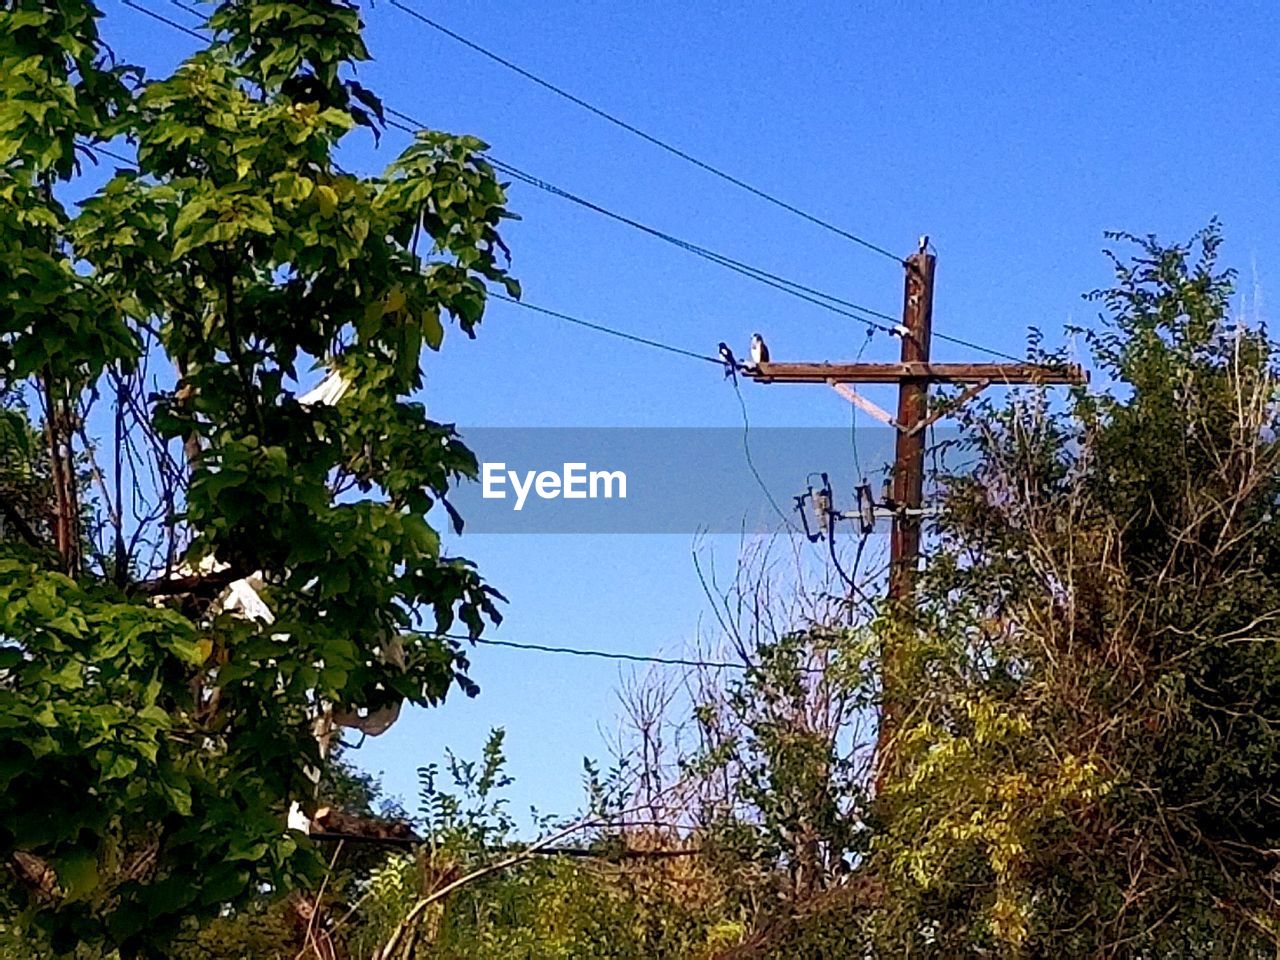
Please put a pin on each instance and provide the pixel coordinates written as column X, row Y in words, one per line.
column 648, row 137
column 746, row 449
column 601, row 328
column 856, row 311
column 603, row 654
column 819, row 298
column 853, row 412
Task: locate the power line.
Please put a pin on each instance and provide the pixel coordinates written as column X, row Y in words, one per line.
column 568, row 318
column 756, row 273
column 165, row 20
column 601, row 328
column 109, row 153
column 827, row 301
column 605, row 654
column 853, row 414
column 648, row 137
column 751, row 464
column 397, row 125
column 820, row 298
column 190, row 8
column 588, row 324
column 792, row 287
column 615, row 654
column 978, row 347
column 746, row 423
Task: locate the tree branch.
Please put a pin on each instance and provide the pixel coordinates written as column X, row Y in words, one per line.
column 20, row 523
column 206, row 585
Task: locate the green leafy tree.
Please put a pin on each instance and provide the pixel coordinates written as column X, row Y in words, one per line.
column 151, row 736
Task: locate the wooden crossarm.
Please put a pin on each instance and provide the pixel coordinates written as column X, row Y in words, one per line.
column 997, row 373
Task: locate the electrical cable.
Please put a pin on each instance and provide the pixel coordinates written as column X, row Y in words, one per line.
column 818, row 298
column 107, row 153
column 610, row 654
column 853, row 414
column 746, row 449
column 756, row 273
column 794, row 288
column 979, row 347
column 190, row 8
column 165, row 20
column 648, row 137
column 601, row 328
column 738, row 266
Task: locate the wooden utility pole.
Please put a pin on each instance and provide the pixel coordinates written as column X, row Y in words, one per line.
column 914, row 375
column 913, row 403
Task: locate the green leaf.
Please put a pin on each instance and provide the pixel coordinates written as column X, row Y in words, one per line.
column 77, row 873
column 121, row 765
column 326, row 199
column 432, row 328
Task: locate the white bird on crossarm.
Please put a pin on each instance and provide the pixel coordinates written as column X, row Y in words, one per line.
column 759, row 350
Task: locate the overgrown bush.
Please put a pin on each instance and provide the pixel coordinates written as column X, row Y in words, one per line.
column 1092, row 764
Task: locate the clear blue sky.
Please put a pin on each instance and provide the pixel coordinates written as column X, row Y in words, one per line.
column 1013, row 134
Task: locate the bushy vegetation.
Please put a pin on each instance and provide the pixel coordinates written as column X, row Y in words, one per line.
column 1091, row 767
column 1088, row 765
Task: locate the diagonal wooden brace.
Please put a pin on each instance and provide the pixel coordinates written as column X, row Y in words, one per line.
column 959, row 401
column 854, row 397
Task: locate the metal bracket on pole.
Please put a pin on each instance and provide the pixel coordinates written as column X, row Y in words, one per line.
column 889, row 513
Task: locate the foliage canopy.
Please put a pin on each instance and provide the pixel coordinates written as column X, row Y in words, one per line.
column 153, row 342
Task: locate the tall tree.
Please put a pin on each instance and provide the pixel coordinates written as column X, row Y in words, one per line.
column 153, row 727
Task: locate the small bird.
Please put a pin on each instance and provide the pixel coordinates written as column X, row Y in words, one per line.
column 729, row 360
column 759, row 350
